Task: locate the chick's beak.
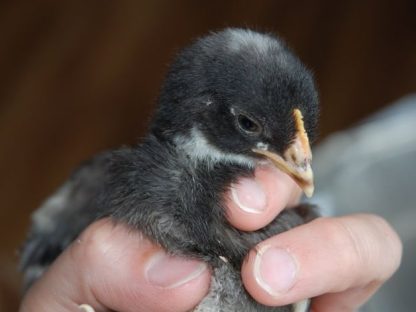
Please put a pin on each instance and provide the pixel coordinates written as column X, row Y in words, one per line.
column 296, row 160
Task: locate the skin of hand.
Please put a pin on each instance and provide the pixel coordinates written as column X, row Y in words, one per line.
column 339, row 261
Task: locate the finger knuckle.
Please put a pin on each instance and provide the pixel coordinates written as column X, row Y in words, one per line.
column 363, row 243
column 392, row 247
column 343, row 243
column 93, row 244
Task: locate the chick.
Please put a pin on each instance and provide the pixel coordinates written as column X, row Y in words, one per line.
column 231, row 100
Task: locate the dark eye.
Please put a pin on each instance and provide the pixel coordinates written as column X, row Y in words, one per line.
column 248, row 125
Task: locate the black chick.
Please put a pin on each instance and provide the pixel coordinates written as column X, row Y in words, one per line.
column 231, row 100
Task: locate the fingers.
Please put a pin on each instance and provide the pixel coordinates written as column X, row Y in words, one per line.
column 253, row 203
column 347, row 258
column 112, row 268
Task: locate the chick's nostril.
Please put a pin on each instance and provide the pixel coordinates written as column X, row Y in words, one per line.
column 293, row 158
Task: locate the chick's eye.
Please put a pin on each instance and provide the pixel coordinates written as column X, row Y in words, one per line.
column 248, row 125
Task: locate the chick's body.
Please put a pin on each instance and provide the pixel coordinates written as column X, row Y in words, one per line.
column 225, row 95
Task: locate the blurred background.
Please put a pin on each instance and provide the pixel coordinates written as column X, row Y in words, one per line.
column 78, row 77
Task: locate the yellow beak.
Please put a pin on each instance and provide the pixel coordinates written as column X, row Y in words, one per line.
column 296, row 160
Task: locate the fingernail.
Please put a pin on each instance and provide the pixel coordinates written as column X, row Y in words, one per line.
column 249, row 195
column 275, row 270
column 86, row 308
column 302, row 306
column 168, row 271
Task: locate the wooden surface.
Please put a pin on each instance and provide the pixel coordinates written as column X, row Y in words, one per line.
column 77, row 77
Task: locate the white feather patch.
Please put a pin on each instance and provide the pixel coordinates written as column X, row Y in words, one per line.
column 243, row 38
column 197, row 147
column 262, row 146
column 43, row 218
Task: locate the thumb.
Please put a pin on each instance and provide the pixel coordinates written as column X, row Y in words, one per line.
column 112, row 268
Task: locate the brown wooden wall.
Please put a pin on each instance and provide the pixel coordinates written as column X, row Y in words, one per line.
column 77, row 77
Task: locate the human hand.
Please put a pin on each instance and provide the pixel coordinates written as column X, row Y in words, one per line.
column 111, row 268
column 340, row 261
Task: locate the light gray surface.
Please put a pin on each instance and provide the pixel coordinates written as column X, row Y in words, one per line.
column 371, row 168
